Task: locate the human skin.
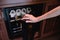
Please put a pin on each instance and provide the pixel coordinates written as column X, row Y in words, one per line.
column 32, row 19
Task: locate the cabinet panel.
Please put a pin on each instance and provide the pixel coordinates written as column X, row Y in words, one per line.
column 0, row 31
column 13, row 1
column 51, row 26
column 0, row 21
column 0, row 36
column 0, row 26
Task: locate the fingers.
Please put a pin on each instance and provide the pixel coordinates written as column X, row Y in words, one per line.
column 25, row 18
column 27, row 15
column 28, row 21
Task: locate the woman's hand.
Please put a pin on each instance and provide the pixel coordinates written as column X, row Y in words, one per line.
column 30, row 18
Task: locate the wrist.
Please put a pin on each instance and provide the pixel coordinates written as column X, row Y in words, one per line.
column 39, row 18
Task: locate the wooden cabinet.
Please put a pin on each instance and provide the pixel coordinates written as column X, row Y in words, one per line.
column 0, row 31
column 48, row 27
column 3, row 31
column 0, row 28
column 0, row 35
column 14, row 1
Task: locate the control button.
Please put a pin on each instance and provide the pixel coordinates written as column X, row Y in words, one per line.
column 12, row 13
column 23, row 10
column 28, row 10
column 18, row 12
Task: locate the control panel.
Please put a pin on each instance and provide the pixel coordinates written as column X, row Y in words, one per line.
column 13, row 15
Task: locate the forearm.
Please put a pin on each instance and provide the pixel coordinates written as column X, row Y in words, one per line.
column 53, row 13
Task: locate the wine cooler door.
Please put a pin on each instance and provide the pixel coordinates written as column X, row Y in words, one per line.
column 13, row 15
